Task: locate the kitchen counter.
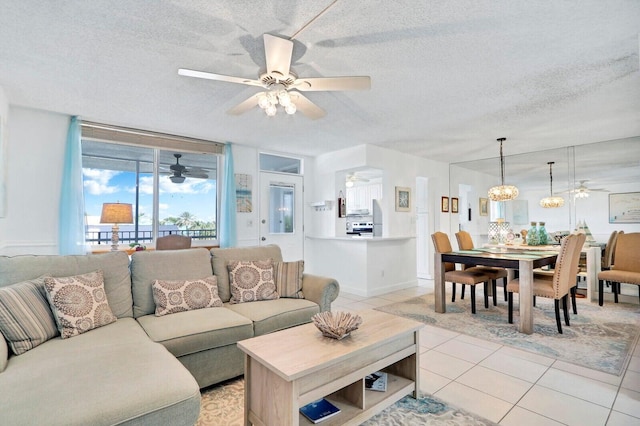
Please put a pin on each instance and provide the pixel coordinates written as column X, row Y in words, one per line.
column 359, row 238
column 365, row 266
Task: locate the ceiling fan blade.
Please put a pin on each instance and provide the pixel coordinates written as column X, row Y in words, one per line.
column 307, row 107
column 244, row 106
column 333, row 83
column 219, row 77
column 277, row 52
column 196, row 175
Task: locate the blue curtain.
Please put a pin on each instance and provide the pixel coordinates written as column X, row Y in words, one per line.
column 227, row 223
column 71, row 223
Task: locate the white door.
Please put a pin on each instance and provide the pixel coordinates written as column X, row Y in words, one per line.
column 423, row 237
column 281, row 213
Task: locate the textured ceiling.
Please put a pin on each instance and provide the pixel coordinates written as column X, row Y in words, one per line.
column 448, row 77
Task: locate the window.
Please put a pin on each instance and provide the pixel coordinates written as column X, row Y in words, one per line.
column 280, row 164
column 172, row 191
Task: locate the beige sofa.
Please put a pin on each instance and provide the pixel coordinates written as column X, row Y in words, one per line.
column 141, row 369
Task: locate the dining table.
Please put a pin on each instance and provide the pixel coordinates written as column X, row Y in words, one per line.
column 524, row 261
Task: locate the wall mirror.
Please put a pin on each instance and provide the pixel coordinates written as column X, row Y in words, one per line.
column 596, row 170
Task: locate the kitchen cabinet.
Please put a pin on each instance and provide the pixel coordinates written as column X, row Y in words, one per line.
column 359, row 197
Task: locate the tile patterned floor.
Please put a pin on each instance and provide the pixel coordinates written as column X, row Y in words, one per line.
column 510, row 386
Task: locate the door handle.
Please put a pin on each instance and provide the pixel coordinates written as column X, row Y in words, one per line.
column 263, row 239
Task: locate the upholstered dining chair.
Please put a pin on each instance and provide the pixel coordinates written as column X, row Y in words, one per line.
column 173, row 242
column 451, row 274
column 559, row 286
column 465, row 242
column 625, row 268
column 609, row 251
column 548, row 275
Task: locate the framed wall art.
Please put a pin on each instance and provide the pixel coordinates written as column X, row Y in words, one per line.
column 444, row 205
column 484, row 207
column 403, row 199
column 454, row 205
column 624, row 207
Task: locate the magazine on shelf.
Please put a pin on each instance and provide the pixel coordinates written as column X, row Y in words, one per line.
column 376, row 381
column 319, row 410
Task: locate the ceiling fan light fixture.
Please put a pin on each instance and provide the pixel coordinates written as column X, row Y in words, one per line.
column 502, row 192
column 177, row 179
column 263, row 102
column 551, row 201
column 581, row 194
column 290, row 109
column 271, row 110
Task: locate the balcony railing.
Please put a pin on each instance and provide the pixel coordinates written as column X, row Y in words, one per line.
column 128, row 237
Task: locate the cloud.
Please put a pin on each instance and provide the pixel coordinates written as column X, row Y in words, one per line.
column 97, row 181
column 189, row 186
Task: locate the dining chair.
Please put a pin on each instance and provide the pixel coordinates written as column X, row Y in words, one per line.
column 609, row 250
column 173, row 242
column 453, row 275
column 465, row 242
column 625, row 268
column 559, row 286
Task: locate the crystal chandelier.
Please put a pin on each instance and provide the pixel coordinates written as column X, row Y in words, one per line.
column 551, row 202
column 269, row 101
column 502, row 192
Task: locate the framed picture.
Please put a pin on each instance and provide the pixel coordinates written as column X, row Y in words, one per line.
column 403, row 199
column 624, row 208
column 484, row 207
column 444, row 204
column 454, row 205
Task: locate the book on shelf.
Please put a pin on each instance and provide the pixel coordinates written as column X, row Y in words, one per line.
column 376, row 381
column 319, row 410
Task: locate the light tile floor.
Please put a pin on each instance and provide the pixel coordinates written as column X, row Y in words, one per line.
column 513, row 387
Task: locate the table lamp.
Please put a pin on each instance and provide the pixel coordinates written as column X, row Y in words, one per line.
column 116, row 213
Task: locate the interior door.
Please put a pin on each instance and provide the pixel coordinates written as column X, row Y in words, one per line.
column 281, row 213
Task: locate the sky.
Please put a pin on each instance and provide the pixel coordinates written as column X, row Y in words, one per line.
column 196, row 196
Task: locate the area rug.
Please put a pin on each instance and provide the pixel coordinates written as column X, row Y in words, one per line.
column 223, row 405
column 600, row 337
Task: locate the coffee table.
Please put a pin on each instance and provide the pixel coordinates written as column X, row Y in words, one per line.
column 288, row 369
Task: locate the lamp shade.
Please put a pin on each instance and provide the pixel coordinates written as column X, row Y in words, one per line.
column 116, row 213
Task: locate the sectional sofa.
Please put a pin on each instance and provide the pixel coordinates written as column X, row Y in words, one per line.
column 142, row 369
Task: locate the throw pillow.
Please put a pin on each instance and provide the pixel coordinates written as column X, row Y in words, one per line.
column 26, row 320
column 288, row 277
column 251, row 281
column 79, row 303
column 179, row 296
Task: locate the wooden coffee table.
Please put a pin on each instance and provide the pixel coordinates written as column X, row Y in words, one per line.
column 288, row 369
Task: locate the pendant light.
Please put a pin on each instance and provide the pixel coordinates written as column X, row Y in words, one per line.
column 551, row 202
column 502, row 192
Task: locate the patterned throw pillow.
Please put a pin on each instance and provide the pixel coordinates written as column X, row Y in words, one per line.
column 26, row 320
column 179, row 296
column 288, row 277
column 251, row 281
column 79, row 303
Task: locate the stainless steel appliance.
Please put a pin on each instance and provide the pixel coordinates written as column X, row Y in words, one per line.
column 359, row 228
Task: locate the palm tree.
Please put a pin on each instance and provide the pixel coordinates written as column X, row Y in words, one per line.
column 186, row 220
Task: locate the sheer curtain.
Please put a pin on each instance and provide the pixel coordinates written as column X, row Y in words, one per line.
column 228, row 237
column 71, row 222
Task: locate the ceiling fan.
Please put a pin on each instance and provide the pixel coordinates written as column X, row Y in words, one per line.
column 581, row 191
column 282, row 85
column 179, row 172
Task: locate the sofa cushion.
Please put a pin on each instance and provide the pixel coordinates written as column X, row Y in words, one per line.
column 111, row 375
column 221, row 256
column 26, row 320
column 274, row 315
column 189, row 332
column 4, row 354
column 251, row 281
column 117, row 281
column 79, row 303
column 171, row 296
column 288, row 278
column 148, row 266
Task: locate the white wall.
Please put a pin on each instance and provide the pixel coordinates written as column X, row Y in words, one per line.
column 35, row 152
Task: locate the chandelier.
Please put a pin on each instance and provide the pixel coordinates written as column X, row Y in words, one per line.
column 502, row 192
column 277, row 95
column 551, row 202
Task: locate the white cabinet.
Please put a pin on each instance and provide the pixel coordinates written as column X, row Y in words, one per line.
column 360, row 197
